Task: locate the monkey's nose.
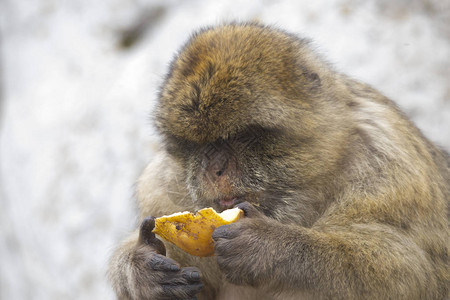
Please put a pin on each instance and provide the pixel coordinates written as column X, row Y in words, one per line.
column 220, row 172
column 217, row 168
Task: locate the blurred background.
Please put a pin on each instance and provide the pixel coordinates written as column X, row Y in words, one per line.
column 79, row 80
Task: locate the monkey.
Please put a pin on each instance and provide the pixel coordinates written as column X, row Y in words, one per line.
column 344, row 198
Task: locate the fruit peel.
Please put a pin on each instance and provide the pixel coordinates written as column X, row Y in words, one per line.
column 193, row 233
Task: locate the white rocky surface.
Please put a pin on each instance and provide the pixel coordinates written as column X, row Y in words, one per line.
column 75, row 127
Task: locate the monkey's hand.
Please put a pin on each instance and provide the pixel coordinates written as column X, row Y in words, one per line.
column 245, row 250
column 149, row 274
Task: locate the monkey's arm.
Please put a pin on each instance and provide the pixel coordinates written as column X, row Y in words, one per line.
column 138, row 268
column 118, row 272
column 362, row 261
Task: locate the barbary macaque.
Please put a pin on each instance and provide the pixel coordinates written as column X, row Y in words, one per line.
column 344, row 198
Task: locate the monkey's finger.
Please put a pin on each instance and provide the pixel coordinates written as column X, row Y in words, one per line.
column 224, row 232
column 191, row 274
column 145, row 231
column 147, row 237
column 182, row 291
column 249, row 210
column 160, row 262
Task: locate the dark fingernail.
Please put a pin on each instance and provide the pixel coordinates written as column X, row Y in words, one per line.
column 174, row 268
column 192, row 275
column 148, row 223
column 195, row 275
column 248, row 208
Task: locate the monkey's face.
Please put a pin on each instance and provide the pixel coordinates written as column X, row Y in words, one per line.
column 234, row 110
column 251, row 165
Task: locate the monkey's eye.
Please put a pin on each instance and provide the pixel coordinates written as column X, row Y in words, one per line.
column 248, row 138
column 254, row 134
column 177, row 147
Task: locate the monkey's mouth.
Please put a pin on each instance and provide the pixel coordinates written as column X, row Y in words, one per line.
column 229, row 202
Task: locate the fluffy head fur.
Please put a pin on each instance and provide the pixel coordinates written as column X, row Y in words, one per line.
column 230, row 77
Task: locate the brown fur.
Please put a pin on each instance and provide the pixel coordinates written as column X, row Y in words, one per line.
column 352, row 199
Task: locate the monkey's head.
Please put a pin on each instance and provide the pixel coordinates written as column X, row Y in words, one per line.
column 240, row 110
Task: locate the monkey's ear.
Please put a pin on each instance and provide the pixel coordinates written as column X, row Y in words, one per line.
column 249, row 210
column 314, row 79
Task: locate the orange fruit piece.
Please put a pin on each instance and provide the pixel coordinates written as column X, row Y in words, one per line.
column 193, row 233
